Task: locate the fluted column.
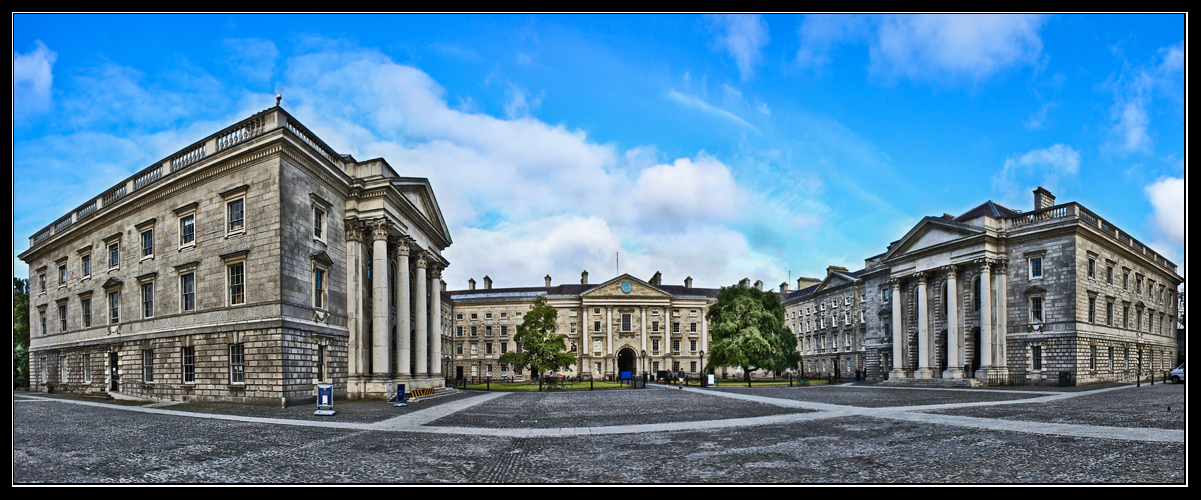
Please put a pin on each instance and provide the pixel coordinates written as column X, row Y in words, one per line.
column 923, row 331
column 422, row 309
column 898, row 336
column 608, row 337
column 954, row 340
column 357, row 360
column 1001, row 364
column 404, row 367
column 435, row 346
column 379, row 287
column 986, row 336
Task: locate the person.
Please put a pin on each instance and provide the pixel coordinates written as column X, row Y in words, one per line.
column 681, row 379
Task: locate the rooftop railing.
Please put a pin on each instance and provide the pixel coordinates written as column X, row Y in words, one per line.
column 1074, row 211
column 239, row 133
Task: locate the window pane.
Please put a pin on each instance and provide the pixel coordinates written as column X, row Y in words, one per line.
column 187, row 230
column 235, row 215
column 236, row 285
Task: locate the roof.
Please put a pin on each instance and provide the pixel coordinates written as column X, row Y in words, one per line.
column 987, row 208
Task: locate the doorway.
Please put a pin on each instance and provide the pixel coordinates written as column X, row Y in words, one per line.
column 626, row 362
column 112, row 372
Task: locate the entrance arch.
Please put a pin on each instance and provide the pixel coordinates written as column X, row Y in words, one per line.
column 627, row 361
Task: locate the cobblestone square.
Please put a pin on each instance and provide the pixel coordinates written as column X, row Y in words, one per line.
column 849, row 434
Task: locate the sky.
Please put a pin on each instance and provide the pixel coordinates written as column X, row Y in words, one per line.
column 715, row 147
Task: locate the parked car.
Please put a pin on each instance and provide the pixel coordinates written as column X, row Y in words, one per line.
column 1178, row 374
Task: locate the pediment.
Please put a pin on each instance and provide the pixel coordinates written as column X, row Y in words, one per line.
column 616, row 288
column 419, row 197
column 930, row 232
column 322, row 258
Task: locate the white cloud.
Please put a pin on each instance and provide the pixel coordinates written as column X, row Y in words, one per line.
column 1134, row 90
column 697, row 103
column 954, row 46
column 1167, row 198
column 1047, row 167
column 254, row 58
column 32, row 81
column 672, row 197
column 742, row 35
column 819, row 34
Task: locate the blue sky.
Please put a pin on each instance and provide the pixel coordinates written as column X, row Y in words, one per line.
column 716, row 147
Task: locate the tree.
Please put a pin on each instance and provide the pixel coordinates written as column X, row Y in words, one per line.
column 541, row 348
column 20, row 332
column 747, row 327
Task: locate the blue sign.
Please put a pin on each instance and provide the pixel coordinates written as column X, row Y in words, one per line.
column 627, row 287
column 325, row 400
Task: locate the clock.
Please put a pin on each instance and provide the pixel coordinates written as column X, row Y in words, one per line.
column 626, row 287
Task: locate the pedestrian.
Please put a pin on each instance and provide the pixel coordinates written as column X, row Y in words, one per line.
column 681, row 379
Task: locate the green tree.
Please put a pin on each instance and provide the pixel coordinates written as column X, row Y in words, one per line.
column 747, row 328
column 20, row 332
column 542, row 348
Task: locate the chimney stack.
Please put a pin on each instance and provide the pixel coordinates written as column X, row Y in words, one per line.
column 657, row 279
column 584, row 278
column 548, row 281
column 487, row 283
column 688, row 282
column 471, row 284
column 1043, row 199
column 744, row 282
column 784, row 287
column 759, row 285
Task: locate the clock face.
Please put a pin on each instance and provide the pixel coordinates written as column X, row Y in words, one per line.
column 627, row 287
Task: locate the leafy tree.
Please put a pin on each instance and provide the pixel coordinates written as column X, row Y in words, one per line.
column 747, row 327
column 542, row 348
column 20, row 332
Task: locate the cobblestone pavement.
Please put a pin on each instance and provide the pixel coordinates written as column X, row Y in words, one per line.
column 842, row 434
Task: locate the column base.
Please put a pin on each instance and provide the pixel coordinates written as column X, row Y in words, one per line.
column 923, row 373
column 953, row 373
column 897, row 374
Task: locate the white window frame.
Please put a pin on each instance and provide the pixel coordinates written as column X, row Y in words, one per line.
column 62, row 317
column 185, row 365
column 142, row 244
column 320, row 287
column 182, row 233
column 86, row 365
column 1036, row 267
column 237, row 364
column 114, row 307
column 1037, row 306
column 319, row 226
column 229, row 285
column 85, row 311
column 62, row 275
column 627, row 322
column 147, row 303
column 229, row 220
column 183, row 293
column 147, row 365
column 85, row 266
column 114, row 249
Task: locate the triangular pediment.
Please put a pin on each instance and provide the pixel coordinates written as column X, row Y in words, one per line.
column 931, row 231
column 617, row 287
column 323, row 258
column 420, row 205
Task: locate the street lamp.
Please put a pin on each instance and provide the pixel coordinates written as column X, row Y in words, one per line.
column 704, row 379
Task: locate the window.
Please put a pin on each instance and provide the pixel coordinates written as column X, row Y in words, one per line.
column 237, row 286
column 625, row 322
column 187, row 230
column 692, row 327
column 114, row 255
column 1125, row 316
column 596, row 310
column 488, row 331
column 1109, row 274
column 505, row 315
column 234, row 214
column 319, row 288
column 320, row 363
column 596, row 346
column 1036, row 354
column 504, row 347
column 42, row 282
column 85, row 305
column 675, row 328
column 1125, row 281
column 976, row 295
column 1110, row 349
column 1036, row 267
column 654, row 326
column 147, row 365
column 187, row 292
column 692, row 366
column 148, row 243
column 87, row 368
column 572, row 328
column 475, row 348
column 1109, row 313
column 188, row 354
column 1138, row 285
column 148, row 300
column 487, row 315
column 655, row 345
column 1092, row 268
column 62, row 275
column 318, row 223
column 62, row 317
column 1036, row 309
column 692, row 345
column 85, row 264
column 237, row 363
column 473, row 331
column 504, row 329
column 1138, row 324
column 114, row 307
column 488, row 348
column 675, row 346
column 596, row 326
column 1092, row 309
column 474, row 316
column 459, row 316
column 1092, row 357
column 42, row 316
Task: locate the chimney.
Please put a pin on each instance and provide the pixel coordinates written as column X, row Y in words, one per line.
column 471, row 284
column 584, row 278
column 784, row 287
column 548, row 281
column 487, row 283
column 688, row 282
column 759, row 285
column 657, row 279
column 803, row 282
column 1043, row 199
column 744, row 282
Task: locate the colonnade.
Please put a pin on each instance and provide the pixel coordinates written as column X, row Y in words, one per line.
column 644, row 343
column 414, row 312
column 992, row 326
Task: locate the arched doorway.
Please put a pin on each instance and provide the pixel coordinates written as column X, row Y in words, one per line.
column 626, row 362
column 975, row 351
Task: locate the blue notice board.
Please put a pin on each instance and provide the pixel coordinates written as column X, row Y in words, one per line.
column 626, row 376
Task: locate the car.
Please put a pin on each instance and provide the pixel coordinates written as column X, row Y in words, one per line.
column 1178, row 374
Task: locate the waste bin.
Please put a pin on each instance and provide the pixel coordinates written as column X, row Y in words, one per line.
column 1065, row 379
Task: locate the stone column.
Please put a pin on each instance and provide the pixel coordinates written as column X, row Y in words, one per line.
column 923, row 331
column 422, row 309
column 643, row 310
column 357, row 360
column 898, row 336
column 985, row 320
column 608, row 337
column 436, row 322
column 1001, row 365
column 379, row 287
column 954, row 340
column 404, row 367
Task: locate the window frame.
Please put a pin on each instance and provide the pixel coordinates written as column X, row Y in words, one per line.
column 237, row 364
column 229, row 283
column 114, row 255
column 187, row 356
column 85, row 311
column 144, row 236
column 114, row 307
column 184, row 295
column 62, row 317
column 148, row 366
column 147, row 299
column 187, row 229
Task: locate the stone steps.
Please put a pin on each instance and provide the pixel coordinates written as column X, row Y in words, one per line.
column 933, row 382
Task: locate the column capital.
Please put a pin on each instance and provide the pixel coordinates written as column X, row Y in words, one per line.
column 950, row 270
column 354, row 230
column 921, row 277
column 435, row 271
column 1002, row 265
column 402, row 246
column 379, row 229
column 984, row 265
column 422, row 259
column 894, row 283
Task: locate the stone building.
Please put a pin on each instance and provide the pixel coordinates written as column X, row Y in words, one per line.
column 998, row 296
column 249, row 266
column 829, row 322
column 622, row 325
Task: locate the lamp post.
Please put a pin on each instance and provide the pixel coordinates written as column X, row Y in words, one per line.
column 642, row 364
column 704, row 379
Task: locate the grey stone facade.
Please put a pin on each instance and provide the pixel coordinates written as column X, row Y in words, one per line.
column 237, row 273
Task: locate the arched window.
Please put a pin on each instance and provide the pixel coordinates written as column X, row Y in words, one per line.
column 976, row 295
column 944, row 298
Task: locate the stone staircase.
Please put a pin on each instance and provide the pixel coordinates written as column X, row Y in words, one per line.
column 933, row 382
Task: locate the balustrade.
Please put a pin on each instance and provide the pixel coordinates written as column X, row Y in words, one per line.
column 147, row 177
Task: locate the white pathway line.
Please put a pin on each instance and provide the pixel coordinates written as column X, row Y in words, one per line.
column 913, row 414
column 419, row 418
column 630, row 429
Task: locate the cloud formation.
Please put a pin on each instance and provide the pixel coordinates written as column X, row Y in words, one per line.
column 32, row 81
column 742, row 36
column 938, row 47
column 1134, row 90
column 1047, row 167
